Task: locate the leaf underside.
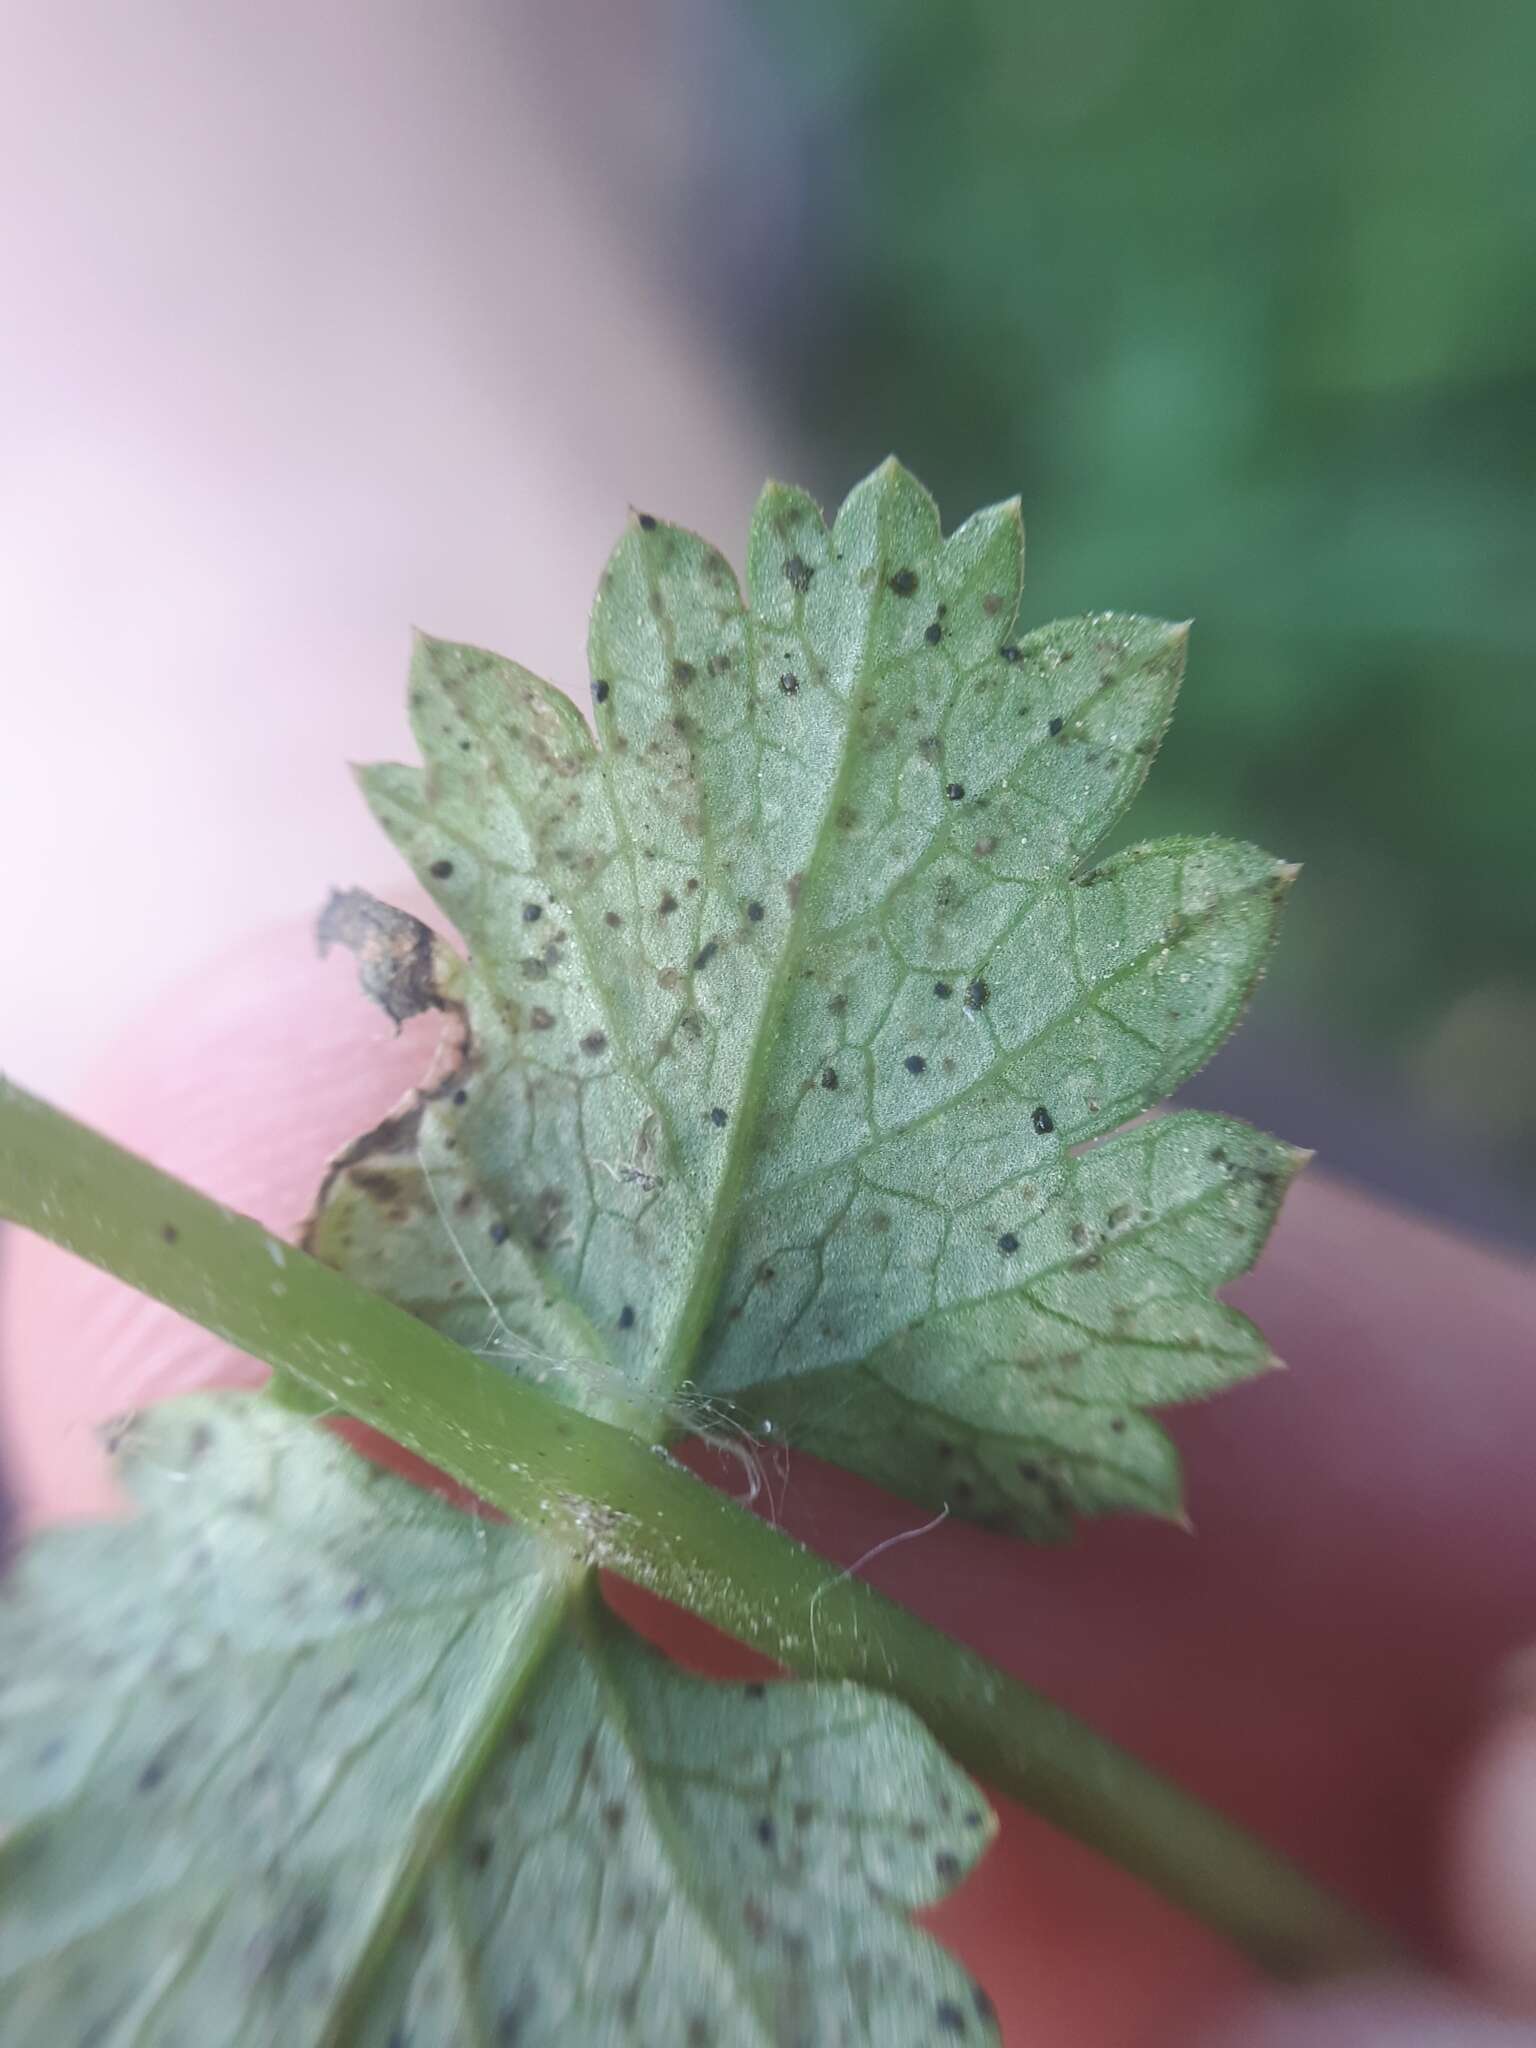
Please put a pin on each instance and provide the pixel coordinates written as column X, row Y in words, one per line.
column 793, row 1005
column 783, row 1089
column 302, row 1754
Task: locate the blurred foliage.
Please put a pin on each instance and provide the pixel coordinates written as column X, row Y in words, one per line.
column 1242, row 300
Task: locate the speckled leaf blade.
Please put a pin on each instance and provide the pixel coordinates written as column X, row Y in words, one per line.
column 302, row 1754
column 1009, row 1383
column 792, row 990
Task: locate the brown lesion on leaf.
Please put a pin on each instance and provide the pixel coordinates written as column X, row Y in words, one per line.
column 397, row 955
column 406, row 969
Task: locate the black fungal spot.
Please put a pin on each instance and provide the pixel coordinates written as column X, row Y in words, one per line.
column 595, row 1042
column 915, row 1063
column 933, row 634
column 1055, row 726
column 626, row 1317
column 612, row 919
column 154, row 1771
column 460, row 1097
column 478, row 1854
column 789, row 684
column 977, row 995
column 947, row 1866
column 829, row 1077
column 756, row 1690
column 954, row 791
column 647, row 522
column 718, row 1118
column 755, row 913
column 355, row 1599
column 442, row 869
column 683, row 673
column 614, row 1816
column 1007, row 1244
column 532, row 912
column 943, row 991
column 984, row 2007
column 798, row 574
column 600, row 693
column 169, row 1232
column 1043, row 1121
column 1010, row 652
column 540, row 1018
column 765, row 1831
column 705, row 954
column 951, row 2020
column 904, row 582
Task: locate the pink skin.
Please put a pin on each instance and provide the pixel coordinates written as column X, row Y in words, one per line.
column 1320, row 1660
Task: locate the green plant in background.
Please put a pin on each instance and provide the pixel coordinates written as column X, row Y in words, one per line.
column 1244, row 293
column 783, row 1090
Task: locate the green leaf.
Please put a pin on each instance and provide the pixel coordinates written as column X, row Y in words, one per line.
column 301, row 1754
column 790, row 1002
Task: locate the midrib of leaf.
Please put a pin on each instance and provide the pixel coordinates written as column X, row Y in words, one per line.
column 590, row 1627
column 720, row 1230
column 477, row 1744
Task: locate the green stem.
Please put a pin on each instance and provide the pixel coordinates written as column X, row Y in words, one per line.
column 613, row 1502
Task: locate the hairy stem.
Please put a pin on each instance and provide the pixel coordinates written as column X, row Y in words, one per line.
column 613, row 1502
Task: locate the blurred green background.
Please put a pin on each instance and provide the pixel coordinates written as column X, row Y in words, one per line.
column 1242, row 300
